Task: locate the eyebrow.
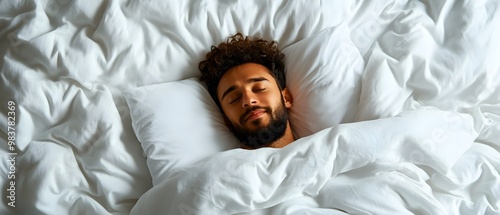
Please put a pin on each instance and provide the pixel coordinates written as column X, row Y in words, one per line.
column 251, row 80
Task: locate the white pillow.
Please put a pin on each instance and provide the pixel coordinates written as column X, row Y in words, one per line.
column 179, row 124
column 324, row 78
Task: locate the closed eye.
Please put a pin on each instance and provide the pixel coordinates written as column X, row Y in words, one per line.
column 239, row 96
column 235, row 100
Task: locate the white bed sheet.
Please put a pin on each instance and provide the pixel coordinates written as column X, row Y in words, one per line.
column 64, row 63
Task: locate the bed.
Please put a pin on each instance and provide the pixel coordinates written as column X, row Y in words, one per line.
column 396, row 108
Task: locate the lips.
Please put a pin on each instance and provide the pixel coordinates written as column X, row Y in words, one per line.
column 255, row 114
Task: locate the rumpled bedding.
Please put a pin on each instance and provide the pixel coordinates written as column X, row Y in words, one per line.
column 395, row 157
column 426, row 138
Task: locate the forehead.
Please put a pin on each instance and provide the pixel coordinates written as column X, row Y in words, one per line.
column 238, row 75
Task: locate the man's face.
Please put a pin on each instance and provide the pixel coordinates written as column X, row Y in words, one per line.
column 253, row 104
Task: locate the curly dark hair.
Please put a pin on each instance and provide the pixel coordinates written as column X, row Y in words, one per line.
column 238, row 50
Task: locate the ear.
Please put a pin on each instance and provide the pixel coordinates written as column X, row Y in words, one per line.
column 287, row 97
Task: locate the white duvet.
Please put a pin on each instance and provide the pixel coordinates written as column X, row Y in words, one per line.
column 385, row 166
column 425, row 139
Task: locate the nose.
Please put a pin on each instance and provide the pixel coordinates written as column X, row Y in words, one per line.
column 249, row 99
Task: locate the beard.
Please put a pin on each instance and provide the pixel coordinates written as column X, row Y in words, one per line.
column 263, row 135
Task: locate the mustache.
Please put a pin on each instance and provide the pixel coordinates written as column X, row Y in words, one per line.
column 249, row 110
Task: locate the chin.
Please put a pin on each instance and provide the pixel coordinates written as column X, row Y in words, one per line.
column 257, row 127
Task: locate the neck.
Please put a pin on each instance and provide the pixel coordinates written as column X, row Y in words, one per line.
column 285, row 140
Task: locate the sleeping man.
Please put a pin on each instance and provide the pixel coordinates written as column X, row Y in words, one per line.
column 246, row 79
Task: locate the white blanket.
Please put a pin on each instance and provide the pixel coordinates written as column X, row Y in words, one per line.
column 385, row 166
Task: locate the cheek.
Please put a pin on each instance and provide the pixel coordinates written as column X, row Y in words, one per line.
column 231, row 114
column 276, row 101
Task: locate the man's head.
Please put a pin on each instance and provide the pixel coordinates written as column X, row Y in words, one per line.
column 245, row 77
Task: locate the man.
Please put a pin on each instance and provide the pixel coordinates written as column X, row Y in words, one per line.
column 246, row 79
